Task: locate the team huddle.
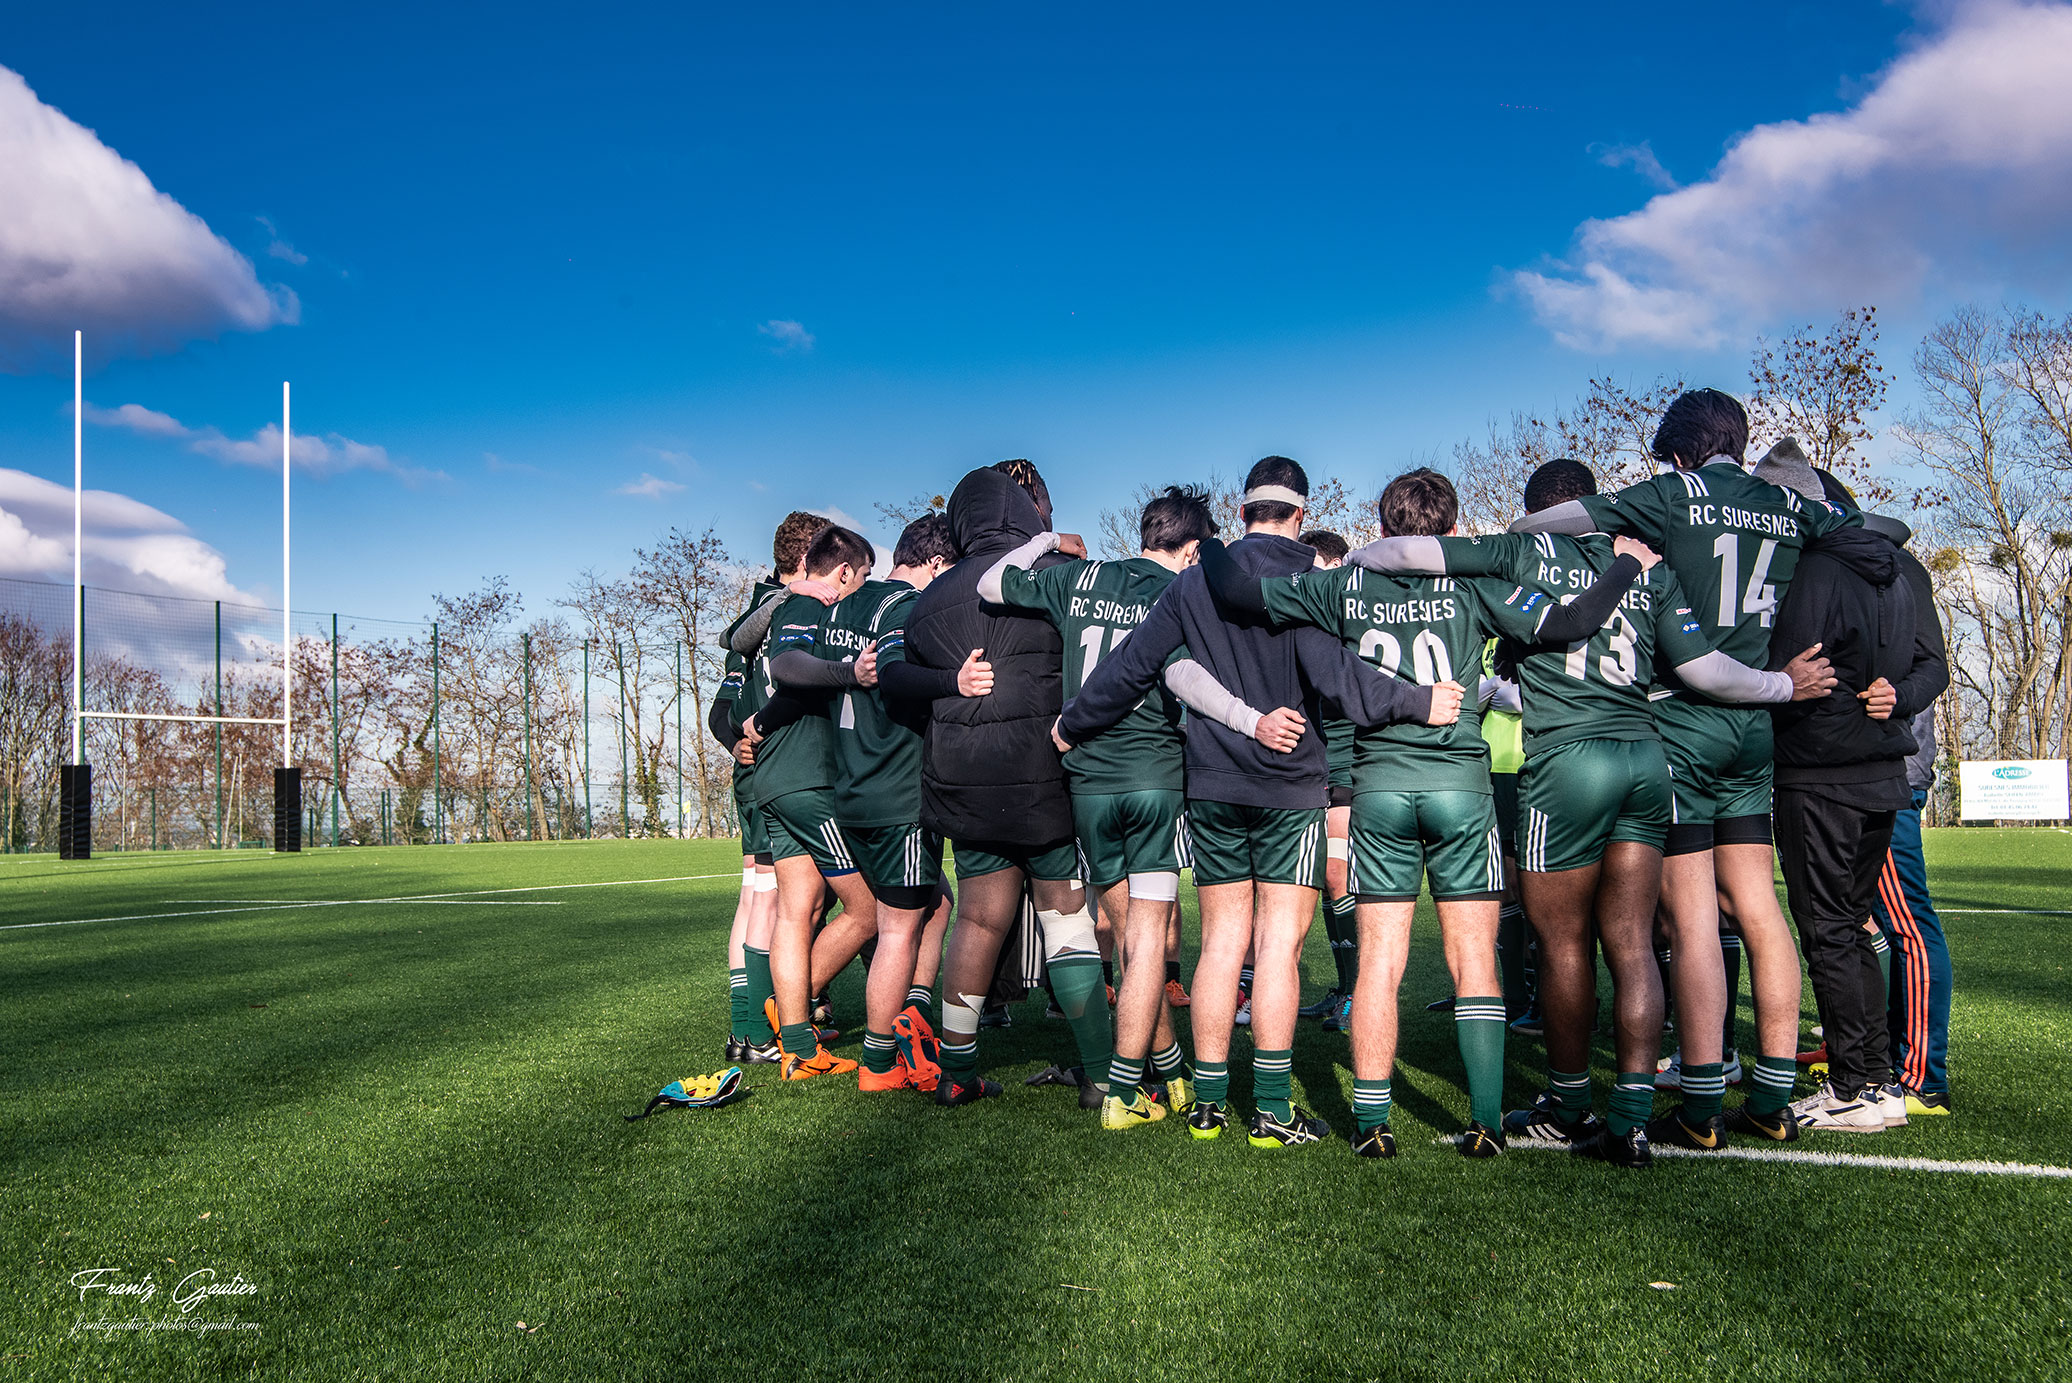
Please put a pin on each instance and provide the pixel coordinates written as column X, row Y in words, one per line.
column 1576, row 735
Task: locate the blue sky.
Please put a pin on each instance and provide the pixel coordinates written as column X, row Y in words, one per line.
column 521, row 262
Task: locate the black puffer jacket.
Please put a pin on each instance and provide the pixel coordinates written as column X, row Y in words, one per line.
column 1850, row 596
column 988, row 769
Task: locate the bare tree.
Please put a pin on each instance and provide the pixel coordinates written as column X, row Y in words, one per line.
column 1987, row 444
column 1822, row 390
column 1608, row 430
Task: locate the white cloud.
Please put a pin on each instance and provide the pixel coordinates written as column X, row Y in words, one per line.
column 789, row 336
column 279, row 248
column 128, row 544
column 649, row 487
column 325, row 455
column 1639, row 157
column 1953, row 173
column 86, row 241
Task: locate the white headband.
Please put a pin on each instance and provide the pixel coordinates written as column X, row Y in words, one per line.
column 1276, row 494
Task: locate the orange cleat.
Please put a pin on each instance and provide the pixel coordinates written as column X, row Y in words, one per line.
column 898, row 1078
column 821, row 1063
column 919, row 1051
column 1176, row 994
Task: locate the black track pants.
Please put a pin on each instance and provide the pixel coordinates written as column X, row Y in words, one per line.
column 1831, row 852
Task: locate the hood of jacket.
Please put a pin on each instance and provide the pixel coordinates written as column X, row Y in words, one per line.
column 1864, row 553
column 988, row 512
column 1269, row 554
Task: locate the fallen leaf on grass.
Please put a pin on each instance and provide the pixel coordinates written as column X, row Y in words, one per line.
column 528, row 1329
column 1663, row 1286
column 206, row 1213
column 1075, row 1287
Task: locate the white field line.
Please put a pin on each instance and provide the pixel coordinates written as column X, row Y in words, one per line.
column 2007, row 912
column 424, row 898
column 1861, row 1161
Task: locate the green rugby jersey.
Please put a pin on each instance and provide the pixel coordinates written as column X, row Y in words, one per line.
column 802, row 754
column 1423, row 629
column 1595, row 688
column 1095, row 605
column 877, row 752
column 728, row 694
column 1732, row 540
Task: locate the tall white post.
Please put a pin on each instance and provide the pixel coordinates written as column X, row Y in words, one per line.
column 287, row 619
column 78, row 551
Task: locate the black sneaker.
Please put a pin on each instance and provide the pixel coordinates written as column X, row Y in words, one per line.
column 1530, row 1023
column 765, row 1053
column 950, row 1092
column 1299, row 1130
column 1671, row 1128
column 1780, row 1127
column 737, row 1050
column 1375, row 1142
column 1322, row 1008
column 1481, row 1141
column 1444, row 1005
column 1543, row 1122
column 1208, row 1120
column 1051, row 1010
column 995, row 1017
column 1628, row 1150
column 823, row 1012
column 1091, row 1093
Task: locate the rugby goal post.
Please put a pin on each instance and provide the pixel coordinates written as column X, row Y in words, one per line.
column 75, row 787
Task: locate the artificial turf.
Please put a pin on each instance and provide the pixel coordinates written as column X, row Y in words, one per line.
column 401, row 1123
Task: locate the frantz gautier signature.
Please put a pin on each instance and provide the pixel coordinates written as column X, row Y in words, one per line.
column 189, row 1292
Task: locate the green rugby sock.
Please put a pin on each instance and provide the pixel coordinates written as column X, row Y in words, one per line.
column 738, row 1012
column 1572, row 1088
column 1272, row 1073
column 1883, row 950
column 1125, row 1074
column 760, row 988
column 1343, row 929
column 1076, row 981
column 1633, row 1100
column 920, row 998
column 1479, row 1026
column 799, row 1039
column 1770, row 1084
column 1371, row 1103
column 1704, row 1086
column 1169, row 1061
column 879, row 1052
column 1212, row 1082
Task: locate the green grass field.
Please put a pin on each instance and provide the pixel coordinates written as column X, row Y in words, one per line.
column 400, row 1121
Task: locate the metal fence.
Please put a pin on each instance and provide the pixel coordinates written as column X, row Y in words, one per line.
column 406, row 732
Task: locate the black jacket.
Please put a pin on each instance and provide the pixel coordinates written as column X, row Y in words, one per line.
column 1868, row 605
column 1267, row 668
column 989, row 771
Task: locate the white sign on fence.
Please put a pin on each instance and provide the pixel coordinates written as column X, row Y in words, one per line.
column 2013, row 790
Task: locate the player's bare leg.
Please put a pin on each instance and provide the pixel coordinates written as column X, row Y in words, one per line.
column 986, row 908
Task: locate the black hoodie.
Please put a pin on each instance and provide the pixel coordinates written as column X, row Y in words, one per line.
column 988, row 769
column 1849, row 597
column 1266, row 667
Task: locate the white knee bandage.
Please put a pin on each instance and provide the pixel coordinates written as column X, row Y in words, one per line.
column 1068, row 933
column 748, row 877
column 960, row 1014
column 1336, row 848
column 765, row 881
column 1159, row 886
